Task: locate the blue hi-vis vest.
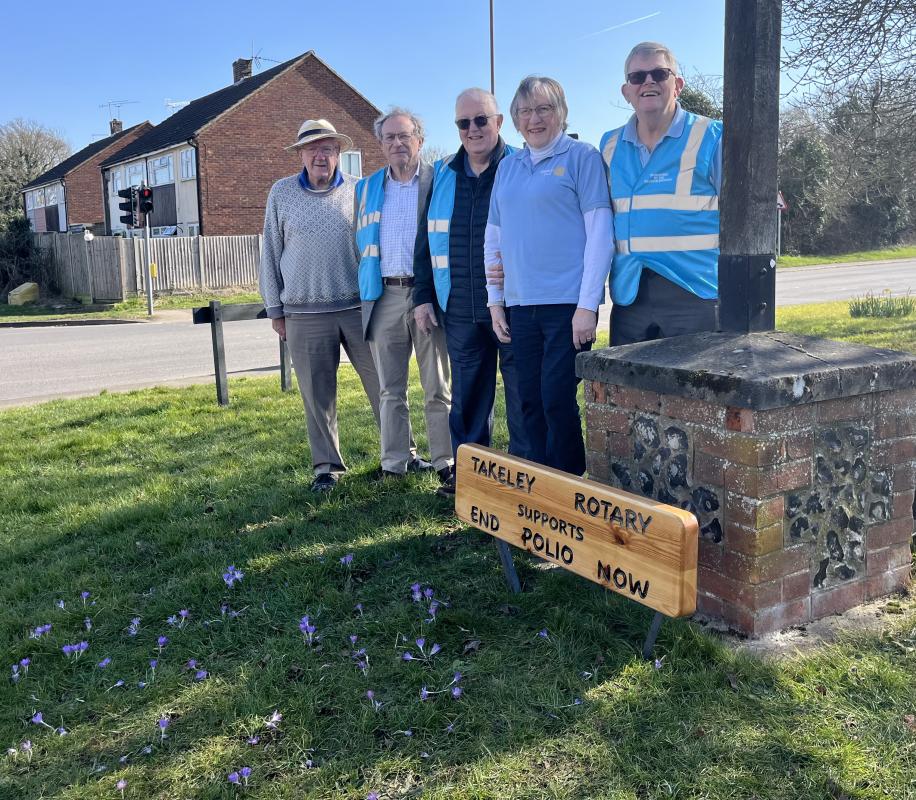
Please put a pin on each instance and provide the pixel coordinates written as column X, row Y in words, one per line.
column 666, row 214
column 438, row 222
column 371, row 194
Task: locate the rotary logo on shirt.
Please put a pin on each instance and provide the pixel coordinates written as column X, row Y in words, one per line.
column 559, row 171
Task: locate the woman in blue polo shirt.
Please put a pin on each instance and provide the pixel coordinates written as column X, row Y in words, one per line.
column 550, row 231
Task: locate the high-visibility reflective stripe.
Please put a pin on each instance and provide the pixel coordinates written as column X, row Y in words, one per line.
column 659, row 244
column 362, row 200
column 370, row 251
column 368, row 219
column 608, row 152
column 673, row 202
column 437, row 225
column 689, row 156
column 440, row 262
column 623, row 247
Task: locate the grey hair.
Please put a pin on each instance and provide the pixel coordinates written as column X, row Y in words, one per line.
column 652, row 49
column 479, row 94
column 398, row 111
column 538, row 84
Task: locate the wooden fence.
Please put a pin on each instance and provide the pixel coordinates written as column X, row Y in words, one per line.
column 112, row 268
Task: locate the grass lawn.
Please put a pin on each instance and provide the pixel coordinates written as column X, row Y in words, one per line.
column 832, row 321
column 846, row 258
column 132, row 308
column 144, row 501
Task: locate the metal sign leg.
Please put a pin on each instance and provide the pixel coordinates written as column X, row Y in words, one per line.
column 649, row 644
column 505, row 556
column 219, row 353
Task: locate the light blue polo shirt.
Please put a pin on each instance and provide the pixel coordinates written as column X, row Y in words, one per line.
column 539, row 210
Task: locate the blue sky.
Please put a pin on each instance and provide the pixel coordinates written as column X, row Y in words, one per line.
column 63, row 63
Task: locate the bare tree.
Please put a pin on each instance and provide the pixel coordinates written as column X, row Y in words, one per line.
column 27, row 149
column 431, row 153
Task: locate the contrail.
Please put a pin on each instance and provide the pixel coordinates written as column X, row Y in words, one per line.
column 622, row 25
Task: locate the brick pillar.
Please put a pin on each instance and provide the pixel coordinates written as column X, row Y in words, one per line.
column 797, row 455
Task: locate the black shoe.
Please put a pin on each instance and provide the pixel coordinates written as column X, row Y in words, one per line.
column 419, row 465
column 447, row 476
column 325, row 482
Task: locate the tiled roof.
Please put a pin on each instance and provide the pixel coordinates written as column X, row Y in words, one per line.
column 185, row 123
column 58, row 172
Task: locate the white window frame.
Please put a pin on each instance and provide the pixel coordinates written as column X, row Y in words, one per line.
column 158, row 163
column 135, row 170
column 116, row 180
column 29, row 201
column 51, row 195
column 188, row 164
column 359, row 161
column 192, row 228
column 40, row 198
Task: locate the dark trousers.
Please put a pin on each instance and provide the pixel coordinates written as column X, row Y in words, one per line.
column 661, row 309
column 545, row 359
column 474, row 351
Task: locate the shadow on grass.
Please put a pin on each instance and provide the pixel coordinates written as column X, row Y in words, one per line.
column 203, row 488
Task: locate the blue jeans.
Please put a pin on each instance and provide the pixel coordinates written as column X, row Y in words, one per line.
column 545, row 359
column 473, row 351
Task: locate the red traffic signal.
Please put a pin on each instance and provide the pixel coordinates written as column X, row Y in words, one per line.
column 130, row 195
column 145, row 195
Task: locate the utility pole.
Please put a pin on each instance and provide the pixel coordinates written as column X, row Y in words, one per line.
column 492, row 54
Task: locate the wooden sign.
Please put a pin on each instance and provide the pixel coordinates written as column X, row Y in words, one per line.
column 644, row 550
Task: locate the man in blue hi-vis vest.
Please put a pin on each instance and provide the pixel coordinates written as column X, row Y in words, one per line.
column 451, row 287
column 664, row 170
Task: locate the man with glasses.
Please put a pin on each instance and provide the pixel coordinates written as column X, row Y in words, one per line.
column 389, row 209
column 451, row 287
column 308, row 280
column 664, row 170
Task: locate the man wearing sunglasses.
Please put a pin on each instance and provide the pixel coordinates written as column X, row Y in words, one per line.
column 664, row 170
column 450, row 285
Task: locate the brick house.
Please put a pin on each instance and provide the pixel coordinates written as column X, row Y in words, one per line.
column 212, row 163
column 69, row 194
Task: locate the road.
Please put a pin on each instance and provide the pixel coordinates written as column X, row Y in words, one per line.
column 38, row 364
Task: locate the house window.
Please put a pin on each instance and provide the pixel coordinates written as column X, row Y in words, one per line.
column 117, row 180
column 29, row 201
column 188, row 164
column 135, row 174
column 193, row 229
column 160, row 171
column 51, row 196
column 351, row 163
column 40, row 198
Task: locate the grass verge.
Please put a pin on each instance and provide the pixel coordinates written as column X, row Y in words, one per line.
column 132, row 308
column 832, row 321
column 144, row 500
column 887, row 254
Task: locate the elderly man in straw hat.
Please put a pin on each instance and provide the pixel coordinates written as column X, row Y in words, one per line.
column 308, row 280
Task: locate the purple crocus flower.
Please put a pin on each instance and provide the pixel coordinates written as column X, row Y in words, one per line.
column 415, row 592
column 118, row 683
column 84, row 596
column 424, row 693
column 358, row 607
column 38, row 718
column 121, row 785
column 231, row 575
column 192, row 663
column 184, row 613
column 435, row 649
column 61, row 731
column 134, row 628
column 253, row 740
column 428, row 593
column 420, row 643
column 40, row 631
column 15, row 675
column 200, row 675
column 172, row 620
column 162, row 641
column 347, row 559
column 353, row 638
column 543, row 633
column 658, row 663
column 246, row 773
column 68, row 649
column 87, row 624
column 372, row 796
column 104, row 662
column 233, row 777
column 456, row 692
column 26, row 746
column 408, row 656
column 274, row 720
column 153, row 663
column 59, row 603
column 24, row 663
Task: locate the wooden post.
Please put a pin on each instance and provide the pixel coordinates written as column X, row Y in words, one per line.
column 219, row 353
column 747, row 275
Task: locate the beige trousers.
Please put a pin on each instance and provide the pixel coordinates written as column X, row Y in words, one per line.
column 314, row 342
column 392, row 334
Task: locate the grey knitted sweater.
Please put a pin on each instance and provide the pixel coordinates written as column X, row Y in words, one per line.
column 309, row 259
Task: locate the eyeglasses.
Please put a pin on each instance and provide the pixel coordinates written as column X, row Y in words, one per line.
column 542, row 111
column 403, row 138
column 324, row 150
column 481, row 121
column 659, row 75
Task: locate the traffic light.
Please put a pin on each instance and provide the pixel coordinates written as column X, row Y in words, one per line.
column 146, row 199
column 130, row 206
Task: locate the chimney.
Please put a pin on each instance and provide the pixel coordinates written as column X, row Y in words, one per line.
column 116, row 126
column 241, row 69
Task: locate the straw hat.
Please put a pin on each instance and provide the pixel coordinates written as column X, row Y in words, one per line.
column 313, row 129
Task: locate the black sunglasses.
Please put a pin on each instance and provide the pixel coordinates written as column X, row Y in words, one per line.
column 480, row 121
column 659, row 75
